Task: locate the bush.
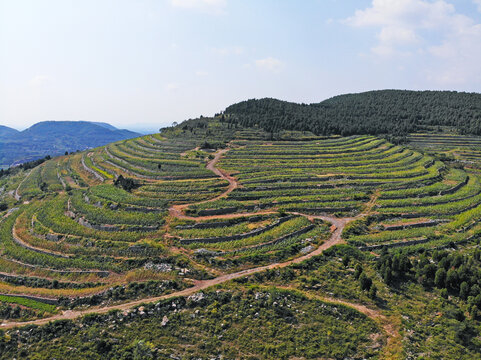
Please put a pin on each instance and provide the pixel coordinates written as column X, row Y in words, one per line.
column 127, row 184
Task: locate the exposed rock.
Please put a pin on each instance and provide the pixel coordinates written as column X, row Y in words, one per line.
column 307, row 249
column 196, row 297
column 53, row 237
column 12, row 210
column 162, row 267
column 205, row 252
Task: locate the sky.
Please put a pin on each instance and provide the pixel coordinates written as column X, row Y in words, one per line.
column 143, row 64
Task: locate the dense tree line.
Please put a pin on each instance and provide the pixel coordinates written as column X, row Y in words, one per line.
column 394, row 112
column 454, row 273
column 25, row 166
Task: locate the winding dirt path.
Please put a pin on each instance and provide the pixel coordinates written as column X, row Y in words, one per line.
column 334, row 239
column 392, row 350
column 178, row 210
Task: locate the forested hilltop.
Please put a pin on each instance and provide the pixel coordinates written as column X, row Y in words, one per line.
column 395, row 112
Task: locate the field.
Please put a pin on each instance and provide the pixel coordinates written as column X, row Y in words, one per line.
column 203, row 204
column 464, row 148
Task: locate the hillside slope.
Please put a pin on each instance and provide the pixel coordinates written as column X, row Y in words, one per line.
column 395, row 112
column 334, row 247
column 6, row 132
column 56, row 137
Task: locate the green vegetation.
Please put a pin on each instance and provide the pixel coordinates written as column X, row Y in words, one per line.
column 394, row 112
column 28, row 303
column 215, row 323
column 212, row 200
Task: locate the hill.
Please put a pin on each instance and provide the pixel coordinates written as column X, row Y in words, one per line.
column 395, row 112
column 56, row 137
column 181, row 243
column 105, row 125
column 199, row 234
column 6, row 132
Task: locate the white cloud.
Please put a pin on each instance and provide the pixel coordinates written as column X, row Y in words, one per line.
column 269, row 64
column 39, row 80
column 413, row 13
column 397, row 35
column 400, row 22
column 449, row 42
column 209, row 6
column 201, row 73
column 459, row 54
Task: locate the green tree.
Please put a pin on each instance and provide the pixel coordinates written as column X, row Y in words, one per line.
column 464, row 290
column 440, row 278
column 358, row 271
column 373, row 292
column 365, row 281
column 452, row 279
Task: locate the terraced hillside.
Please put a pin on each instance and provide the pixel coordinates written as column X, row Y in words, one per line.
column 466, row 149
column 174, row 214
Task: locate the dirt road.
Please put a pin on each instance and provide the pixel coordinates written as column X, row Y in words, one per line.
column 178, row 210
column 335, row 238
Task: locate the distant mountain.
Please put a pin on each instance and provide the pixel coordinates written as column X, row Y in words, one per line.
column 105, row 125
column 54, row 138
column 6, row 132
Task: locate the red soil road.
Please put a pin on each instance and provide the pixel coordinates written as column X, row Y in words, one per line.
column 177, row 210
column 338, row 225
column 334, row 239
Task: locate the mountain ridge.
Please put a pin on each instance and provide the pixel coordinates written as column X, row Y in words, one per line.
column 55, row 138
column 6, row 131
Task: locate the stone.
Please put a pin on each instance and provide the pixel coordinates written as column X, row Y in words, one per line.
column 196, row 297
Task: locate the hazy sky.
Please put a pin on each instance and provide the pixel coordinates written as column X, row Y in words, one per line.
column 143, row 64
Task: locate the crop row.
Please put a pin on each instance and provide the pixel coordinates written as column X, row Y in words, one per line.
column 274, row 233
